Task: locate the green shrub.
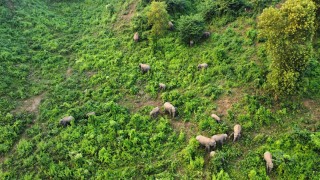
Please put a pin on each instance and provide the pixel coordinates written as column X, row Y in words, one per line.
column 230, row 8
column 197, row 164
column 178, row 6
column 221, row 176
column 190, row 28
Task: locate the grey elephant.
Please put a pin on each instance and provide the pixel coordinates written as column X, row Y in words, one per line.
column 207, row 142
column 66, row 120
column 170, row 109
column 268, row 158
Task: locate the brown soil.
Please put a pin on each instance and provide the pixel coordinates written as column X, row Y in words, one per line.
column 225, row 102
column 31, row 104
column 140, row 100
column 188, row 127
column 90, row 73
column 313, row 107
column 69, row 72
column 125, row 18
column 132, row 9
column 279, row 5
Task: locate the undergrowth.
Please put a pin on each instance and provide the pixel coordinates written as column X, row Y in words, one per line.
column 82, row 54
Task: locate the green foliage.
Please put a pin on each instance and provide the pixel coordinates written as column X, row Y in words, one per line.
column 140, row 22
column 258, row 5
column 158, row 18
column 229, row 8
column 11, row 128
column 315, row 138
column 110, row 9
column 289, row 32
column 24, row 148
column 221, row 176
column 190, row 28
column 251, row 113
column 311, row 80
column 81, row 54
column 178, row 6
column 317, row 24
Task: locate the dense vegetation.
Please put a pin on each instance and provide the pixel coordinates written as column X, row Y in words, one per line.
column 79, row 56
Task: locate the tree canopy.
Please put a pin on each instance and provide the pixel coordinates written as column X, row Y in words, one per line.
column 158, row 17
column 289, row 31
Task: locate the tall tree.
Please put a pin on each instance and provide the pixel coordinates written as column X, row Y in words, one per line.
column 158, row 17
column 289, row 31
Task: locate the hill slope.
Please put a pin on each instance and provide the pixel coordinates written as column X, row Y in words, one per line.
column 74, row 57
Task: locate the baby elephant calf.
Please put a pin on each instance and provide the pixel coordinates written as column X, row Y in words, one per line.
column 170, row 25
column 206, row 34
column 155, row 111
column 90, row 114
column 66, row 120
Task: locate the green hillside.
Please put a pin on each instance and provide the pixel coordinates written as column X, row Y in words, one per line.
column 63, row 58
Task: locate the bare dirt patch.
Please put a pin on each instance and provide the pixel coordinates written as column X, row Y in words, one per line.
column 140, row 100
column 131, row 10
column 90, row 73
column 225, row 102
column 31, row 104
column 188, row 127
column 69, row 72
column 314, row 107
column 126, row 15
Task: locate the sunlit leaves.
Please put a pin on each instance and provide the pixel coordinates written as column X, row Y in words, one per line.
column 289, row 31
column 158, row 18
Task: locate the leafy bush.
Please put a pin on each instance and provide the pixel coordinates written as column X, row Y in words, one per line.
column 230, row 8
column 178, row 6
column 191, row 28
column 140, row 22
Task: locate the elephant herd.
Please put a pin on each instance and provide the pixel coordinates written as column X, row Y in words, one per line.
column 169, row 108
column 220, row 138
column 203, row 140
